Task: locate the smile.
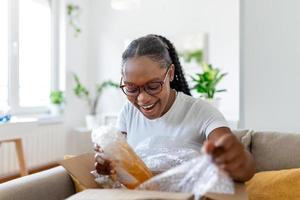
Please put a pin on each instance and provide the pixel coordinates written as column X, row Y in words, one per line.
column 148, row 106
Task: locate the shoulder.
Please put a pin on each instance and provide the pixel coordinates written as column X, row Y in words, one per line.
column 129, row 110
column 189, row 101
column 197, row 106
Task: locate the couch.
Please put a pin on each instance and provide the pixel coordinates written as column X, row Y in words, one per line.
column 271, row 151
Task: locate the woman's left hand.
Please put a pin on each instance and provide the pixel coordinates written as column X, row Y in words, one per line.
column 229, row 154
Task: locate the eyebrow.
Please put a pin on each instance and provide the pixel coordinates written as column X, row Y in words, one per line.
column 150, row 81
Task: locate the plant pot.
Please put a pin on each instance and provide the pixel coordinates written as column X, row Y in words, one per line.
column 91, row 121
column 55, row 109
column 214, row 102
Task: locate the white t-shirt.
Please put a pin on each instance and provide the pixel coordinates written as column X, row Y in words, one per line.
column 188, row 119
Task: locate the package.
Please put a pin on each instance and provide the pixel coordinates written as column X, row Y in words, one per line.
column 180, row 165
column 130, row 169
column 81, row 166
column 113, row 194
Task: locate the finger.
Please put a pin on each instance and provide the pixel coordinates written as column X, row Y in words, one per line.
column 226, row 141
column 228, row 156
column 103, row 155
column 218, row 151
column 208, row 147
column 99, row 159
column 97, row 148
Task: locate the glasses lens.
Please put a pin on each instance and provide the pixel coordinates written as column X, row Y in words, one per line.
column 131, row 90
column 153, row 88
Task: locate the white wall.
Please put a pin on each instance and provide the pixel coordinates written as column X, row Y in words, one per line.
column 77, row 61
column 270, row 65
column 219, row 19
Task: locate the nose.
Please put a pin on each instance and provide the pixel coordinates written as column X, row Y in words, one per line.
column 143, row 97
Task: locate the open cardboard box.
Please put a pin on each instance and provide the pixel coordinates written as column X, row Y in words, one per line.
column 81, row 166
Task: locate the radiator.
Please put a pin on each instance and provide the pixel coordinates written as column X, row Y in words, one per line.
column 42, row 143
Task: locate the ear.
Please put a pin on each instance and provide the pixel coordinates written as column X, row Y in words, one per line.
column 172, row 72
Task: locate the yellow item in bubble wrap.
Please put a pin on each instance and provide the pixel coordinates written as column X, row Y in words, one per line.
column 131, row 170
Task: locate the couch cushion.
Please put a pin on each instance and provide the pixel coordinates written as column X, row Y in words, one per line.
column 51, row 184
column 275, row 185
column 274, row 150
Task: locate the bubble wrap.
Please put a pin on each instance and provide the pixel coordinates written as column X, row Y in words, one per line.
column 196, row 176
column 162, row 153
column 184, row 167
column 180, row 164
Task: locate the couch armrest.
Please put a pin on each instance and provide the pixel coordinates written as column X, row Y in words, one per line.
column 52, row 184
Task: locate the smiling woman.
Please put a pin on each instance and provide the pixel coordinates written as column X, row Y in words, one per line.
column 166, row 109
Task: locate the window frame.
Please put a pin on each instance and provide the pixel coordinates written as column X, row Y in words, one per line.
column 13, row 57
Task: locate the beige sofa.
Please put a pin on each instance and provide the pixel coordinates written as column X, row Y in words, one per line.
column 271, row 151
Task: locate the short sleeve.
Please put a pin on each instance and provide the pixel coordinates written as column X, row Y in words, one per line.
column 213, row 119
column 122, row 119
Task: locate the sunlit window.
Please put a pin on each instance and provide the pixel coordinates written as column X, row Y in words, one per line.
column 3, row 53
column 34, row 52
column 26, row 55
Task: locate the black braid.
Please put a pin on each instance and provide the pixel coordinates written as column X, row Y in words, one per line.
column 160, row 50
column 179, row 83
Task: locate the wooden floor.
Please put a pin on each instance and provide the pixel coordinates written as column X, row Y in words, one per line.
column 39, row 169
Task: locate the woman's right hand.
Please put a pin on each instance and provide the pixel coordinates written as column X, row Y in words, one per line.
column 103, row 165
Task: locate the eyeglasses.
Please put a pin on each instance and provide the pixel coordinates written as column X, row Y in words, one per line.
column 151, row 88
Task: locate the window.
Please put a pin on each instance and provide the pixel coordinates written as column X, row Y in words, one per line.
column 34, row 52
column 3, row 53
column 26, row 73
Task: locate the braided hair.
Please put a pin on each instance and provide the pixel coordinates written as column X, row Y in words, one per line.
column 159, row 49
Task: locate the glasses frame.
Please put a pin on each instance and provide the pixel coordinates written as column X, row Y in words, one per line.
column 143, row 86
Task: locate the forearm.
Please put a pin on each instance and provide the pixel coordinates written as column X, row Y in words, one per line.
column 246, row 170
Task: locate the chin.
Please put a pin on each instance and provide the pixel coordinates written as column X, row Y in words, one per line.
column 151, row 116
column 154, row 116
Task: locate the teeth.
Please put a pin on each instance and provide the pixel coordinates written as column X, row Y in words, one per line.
column 149, row 106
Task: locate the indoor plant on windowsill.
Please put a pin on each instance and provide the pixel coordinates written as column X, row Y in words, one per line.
column 206, row 83
column 57, row 99
column 83, row 93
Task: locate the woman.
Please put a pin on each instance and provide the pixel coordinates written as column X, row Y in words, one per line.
column 161, row 104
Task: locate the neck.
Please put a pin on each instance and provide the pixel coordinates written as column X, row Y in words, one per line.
column 171, row 100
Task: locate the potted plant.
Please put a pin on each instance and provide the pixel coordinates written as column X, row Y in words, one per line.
column 57, row 100
column 92, row 101
column 206, row 82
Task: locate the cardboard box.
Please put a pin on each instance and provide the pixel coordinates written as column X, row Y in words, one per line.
column 119, row 194
column 81, row 166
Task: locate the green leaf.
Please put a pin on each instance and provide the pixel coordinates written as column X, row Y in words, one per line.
column 79, row 89
column 223, row 90
column 196, row 55
column 207, row 81
column 81, row 92
column 56, row 97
